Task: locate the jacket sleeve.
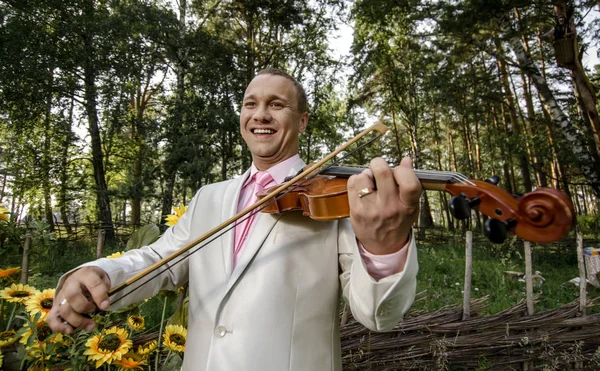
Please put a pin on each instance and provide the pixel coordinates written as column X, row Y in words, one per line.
column 378, row 305
column 169, row 276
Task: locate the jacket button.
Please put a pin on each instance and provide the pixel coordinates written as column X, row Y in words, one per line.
column 220, row 331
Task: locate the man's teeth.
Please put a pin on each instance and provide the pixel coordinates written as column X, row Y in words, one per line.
column 264, row 131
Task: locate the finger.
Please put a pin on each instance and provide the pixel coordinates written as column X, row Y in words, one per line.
column 98, row 285
column 73, row 319
column 409, row 185
column 57, row 324
column 384, row 178
column 359, row 183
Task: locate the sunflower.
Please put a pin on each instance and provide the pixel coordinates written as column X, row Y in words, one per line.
column 172, row 219
column 115, row 255
column 40, row 303
column 43, row 331
column 108, row 346
column 174, row 338
column 136, row 323
column 131, row 361
column 17, row 293
column 147, row 348
column 4, row 213
column 8, row 337
column 9, row 271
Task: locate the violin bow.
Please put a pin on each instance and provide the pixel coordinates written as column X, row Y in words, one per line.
column 377, row 127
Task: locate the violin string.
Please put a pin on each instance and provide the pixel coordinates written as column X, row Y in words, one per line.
column 195, row 249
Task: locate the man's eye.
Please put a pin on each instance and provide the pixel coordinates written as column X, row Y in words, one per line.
column 249, row 104
column 277, row 105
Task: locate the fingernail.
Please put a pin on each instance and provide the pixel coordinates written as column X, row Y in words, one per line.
column 68, row 330
column 90, row 327
column 104, row 305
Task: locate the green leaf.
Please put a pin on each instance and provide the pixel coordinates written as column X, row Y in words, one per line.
column 143, row 236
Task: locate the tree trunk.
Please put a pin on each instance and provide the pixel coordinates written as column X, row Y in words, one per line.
column 503, row 154
column 530, row 126
column 102, row 199
column 46, row 174
column 509, row 102
column 64, row 173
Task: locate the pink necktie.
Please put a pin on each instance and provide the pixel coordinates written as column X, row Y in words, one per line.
column 261, row 180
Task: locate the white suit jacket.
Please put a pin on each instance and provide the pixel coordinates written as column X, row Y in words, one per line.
column 278, row 309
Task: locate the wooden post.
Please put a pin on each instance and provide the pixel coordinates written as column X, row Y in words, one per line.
column 468, row 274
column 528, row 278
column 582, row 275
column 100, row 244
column 25, row 259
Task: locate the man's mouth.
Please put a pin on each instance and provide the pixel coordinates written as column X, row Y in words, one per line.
column 263, row 131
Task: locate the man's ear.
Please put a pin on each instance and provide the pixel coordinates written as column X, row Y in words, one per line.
column 303, row 123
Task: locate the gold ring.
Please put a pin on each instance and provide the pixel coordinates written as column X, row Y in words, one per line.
column 365, row 191
column 63, row 302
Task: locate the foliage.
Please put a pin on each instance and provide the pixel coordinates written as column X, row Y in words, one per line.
column 121, row 337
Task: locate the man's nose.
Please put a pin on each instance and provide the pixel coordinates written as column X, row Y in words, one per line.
column 262, row 114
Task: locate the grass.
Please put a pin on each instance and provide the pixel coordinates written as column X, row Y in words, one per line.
column 442, row 266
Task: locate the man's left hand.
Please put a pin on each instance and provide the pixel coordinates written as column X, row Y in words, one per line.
column 384, row 204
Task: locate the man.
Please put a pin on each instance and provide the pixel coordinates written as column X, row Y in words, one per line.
column 266, row 297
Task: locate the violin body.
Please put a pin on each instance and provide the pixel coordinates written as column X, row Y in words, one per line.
column 320, row 198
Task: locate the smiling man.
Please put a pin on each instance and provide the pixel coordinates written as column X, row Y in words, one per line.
column 265, row 296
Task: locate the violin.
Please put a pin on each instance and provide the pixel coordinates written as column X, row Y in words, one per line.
column 544, row 215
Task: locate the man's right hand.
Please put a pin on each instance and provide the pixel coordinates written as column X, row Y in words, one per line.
column 82, row 293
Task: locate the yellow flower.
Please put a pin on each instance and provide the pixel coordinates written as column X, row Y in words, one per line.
column 116, row 255
column 40, row 303
column 147, row 348
column 1, row 357
column 108, row 346
column 172, row 219
column 43, row 331
column 174, row 338
column 8, row 337
column 17, row 293
column 136, row 323
column 131, row 361
column 9, row 271
column 4, row 213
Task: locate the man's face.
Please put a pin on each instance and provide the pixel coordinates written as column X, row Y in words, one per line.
column 270, row 121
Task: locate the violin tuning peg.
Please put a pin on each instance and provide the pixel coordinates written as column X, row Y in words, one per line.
column 494, row 179
column 459, row 207
column 495, row 230
column 473, row 202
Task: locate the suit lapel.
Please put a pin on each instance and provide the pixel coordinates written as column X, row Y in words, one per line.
column 263, row 225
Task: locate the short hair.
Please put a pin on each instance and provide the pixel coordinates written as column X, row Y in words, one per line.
column 302, row 101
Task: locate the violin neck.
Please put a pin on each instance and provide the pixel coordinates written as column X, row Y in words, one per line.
column 430, row 179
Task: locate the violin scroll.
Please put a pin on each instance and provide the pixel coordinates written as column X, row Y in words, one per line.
column 547, row 215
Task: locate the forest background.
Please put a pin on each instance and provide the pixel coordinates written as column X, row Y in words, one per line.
column 113, row 112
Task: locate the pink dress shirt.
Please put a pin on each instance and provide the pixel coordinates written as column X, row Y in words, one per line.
column 378, row 266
